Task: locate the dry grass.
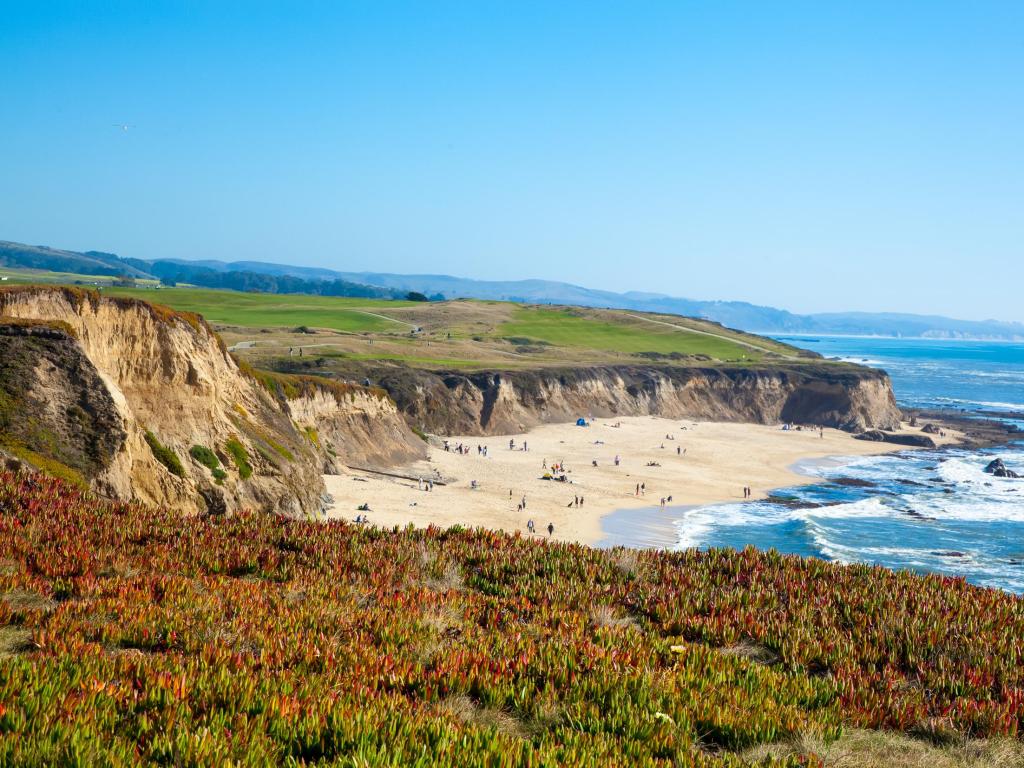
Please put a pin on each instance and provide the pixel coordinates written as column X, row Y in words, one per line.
column 14, row 640
column 463, row 708
column 627, row 561
column 879, row 749
column 450, row 580
column 21, row 600
column 608, row 617
column 747, row 649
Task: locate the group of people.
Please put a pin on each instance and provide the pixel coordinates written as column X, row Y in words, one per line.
column 463, row 450
column 425, row 485
column 532, row 528
column 512, row 445
column 747, row 492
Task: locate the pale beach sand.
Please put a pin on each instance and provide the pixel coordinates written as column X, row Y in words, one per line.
column 720, row 458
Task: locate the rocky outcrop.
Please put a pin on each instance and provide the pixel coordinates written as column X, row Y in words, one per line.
column 123, row 393
column 849, row 398
column 911, row 440
column 996, row 468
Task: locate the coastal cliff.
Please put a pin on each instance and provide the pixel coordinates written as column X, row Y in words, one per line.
column 142, row 403
column 846, row 397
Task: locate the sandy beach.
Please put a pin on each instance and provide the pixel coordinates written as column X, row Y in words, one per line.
column 691, row 462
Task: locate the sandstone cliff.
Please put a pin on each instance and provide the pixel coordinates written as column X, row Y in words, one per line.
column 144, row 403
column 846, row 397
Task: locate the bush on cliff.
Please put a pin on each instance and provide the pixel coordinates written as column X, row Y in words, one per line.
column 208, row 459
column 241, row 458
column 165, row 455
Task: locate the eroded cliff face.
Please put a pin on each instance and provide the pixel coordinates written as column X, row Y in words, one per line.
column 849, row 398
column 357, row 428
column 131, row 368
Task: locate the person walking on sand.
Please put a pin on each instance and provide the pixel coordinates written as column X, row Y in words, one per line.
column 616, row 459
column 530, row 526
column 637, row 490
column 551, row 529
column 544, row 464
column 643, row 489
column 581, row 501
column 511, row 445
column 524, row 501
column 679, row 450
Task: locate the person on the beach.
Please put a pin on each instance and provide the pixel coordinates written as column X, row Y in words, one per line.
column 530, row 526
column 551, row 528
column 637, row 490
column 524, row 502
column 524, row 446
column 643, row 489
column 511, row 445
column 616, row 459
column 581, row 501
column 662, row 502
column 544, row 464
column 679, row 450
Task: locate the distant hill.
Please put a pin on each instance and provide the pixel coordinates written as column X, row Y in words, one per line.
column 734, row 314
column 54, row 260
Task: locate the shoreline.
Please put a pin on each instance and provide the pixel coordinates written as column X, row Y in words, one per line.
column 689, row 463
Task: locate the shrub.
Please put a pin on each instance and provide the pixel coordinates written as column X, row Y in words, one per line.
column 165, row 455
column 241, row 458
column 208, row 459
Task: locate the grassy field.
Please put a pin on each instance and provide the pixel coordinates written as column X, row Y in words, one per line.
column 266, row 310
column 457, row 334
column 137, row 636
column 344, row 332
column 618, row 332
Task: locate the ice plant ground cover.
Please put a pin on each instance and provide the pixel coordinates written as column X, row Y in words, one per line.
column 140, row 636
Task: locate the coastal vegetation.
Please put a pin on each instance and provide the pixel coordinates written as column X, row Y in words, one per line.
column 208, row 459
column 143, row 636
column 165, row 455
column 240, row 457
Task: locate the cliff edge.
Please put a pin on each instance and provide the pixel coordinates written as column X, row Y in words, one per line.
column 143, row 403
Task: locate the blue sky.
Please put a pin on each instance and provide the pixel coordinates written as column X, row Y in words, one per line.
column 813, row 156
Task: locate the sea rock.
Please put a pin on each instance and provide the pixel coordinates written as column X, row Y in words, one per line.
column 854, row 482
column 996, row 468
column 930, row 429
column 878, row 436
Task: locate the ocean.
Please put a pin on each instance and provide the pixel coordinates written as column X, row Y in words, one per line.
column 928, row 511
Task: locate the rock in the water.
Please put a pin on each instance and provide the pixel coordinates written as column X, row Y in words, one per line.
column 996, row 468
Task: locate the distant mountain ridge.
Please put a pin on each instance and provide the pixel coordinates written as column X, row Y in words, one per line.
column 735, row 314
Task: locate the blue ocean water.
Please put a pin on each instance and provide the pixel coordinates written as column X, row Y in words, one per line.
column 929, row 511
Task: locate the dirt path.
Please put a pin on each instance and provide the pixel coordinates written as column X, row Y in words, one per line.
column 712, row 335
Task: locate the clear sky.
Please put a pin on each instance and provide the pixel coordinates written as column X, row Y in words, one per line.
column 814, row 156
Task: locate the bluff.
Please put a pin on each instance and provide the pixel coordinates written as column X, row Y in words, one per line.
column 143, row 403
column 848, row 397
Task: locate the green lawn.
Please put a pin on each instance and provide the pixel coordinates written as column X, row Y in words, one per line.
column 627, row 335
column 268, row 310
